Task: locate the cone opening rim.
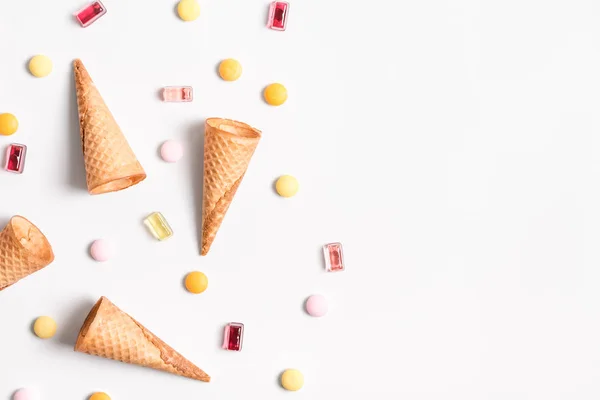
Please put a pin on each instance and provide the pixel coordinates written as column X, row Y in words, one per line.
column 88, row 322
column 31, row 239
column 234, row 128
column 114, row 185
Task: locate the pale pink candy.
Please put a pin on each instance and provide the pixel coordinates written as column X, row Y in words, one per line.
column 171, row 151
column 316, row 305
column 102, row 250
column 26, row 394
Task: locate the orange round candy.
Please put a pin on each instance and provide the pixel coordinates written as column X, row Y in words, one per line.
column 275, row 94
column 8, row 124
column 196, row 282
column 99, row 396
column 230, row 69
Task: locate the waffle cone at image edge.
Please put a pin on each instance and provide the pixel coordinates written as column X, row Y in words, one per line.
column 23, row 250
column 110, row 164
column 110, row 333
column 228, row 148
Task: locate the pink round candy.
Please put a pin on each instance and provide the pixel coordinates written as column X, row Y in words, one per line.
column 316, row 305
column 171, row 151
column 26, row 394
column 102, row 250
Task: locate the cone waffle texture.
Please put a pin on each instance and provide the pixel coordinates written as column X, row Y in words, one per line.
column 23, row 250
column 110, row 333
column 228, row 148
column 110, row 164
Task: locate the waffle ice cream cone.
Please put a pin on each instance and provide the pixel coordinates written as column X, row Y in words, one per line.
column 23, row 250
column 110, row 333
column 110, row 164
column 228, row 148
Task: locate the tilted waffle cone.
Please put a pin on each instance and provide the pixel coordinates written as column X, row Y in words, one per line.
column 110, row 333
column 110, row 164
column 23, row 250
column 228, row 148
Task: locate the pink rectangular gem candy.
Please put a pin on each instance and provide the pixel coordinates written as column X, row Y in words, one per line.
column 278, row 13
column 178, row 94
column 15, row 158
column 233, row 336
column 334, row 257
column 90, row 13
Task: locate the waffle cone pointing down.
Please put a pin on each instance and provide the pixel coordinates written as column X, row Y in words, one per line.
column 110, row 333
column 110, row 164
column 23, row 250
column 228, row 148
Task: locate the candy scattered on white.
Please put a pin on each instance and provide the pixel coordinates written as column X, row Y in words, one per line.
column 102, row 250
column 171, row 151
column 26, row 394
column 316, row 305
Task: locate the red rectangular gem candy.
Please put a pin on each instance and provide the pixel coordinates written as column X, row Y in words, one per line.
column 233, row 336
column 278, row 13
column 334, row 257
column 178, row 94
column 15, row 158
column 90, row 13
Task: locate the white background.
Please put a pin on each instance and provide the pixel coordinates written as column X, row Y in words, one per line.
column 450, row 145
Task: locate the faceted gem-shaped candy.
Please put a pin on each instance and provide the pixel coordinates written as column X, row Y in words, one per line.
column 90, row 13
column 233, row 336
column 278, row 13
column 15, row 158
column 334, row 258
column 178, row 94
column 158, row 225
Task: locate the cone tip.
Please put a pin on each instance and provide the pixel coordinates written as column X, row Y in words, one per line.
column 206, row 244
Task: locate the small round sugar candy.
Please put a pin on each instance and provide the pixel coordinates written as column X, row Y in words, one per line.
column 8, row 124
column 171, row 151
column 99, row 396
column 230, row 69
column 40, row 66
column 26, row 394
column 188, row 10
column 196, row 282
column 287, row 186
column 102, row 250
column 316, row 305
column 275, row 94
column 292, row 379
column 44, row 327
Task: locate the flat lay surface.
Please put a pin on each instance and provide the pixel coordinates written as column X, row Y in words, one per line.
column 451, row 147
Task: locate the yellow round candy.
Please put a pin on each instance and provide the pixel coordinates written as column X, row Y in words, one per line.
column 188, row 10
column 8, row 124
column 287, row 186
column 196, row 282
column 44, row 327
column 230, row 69
column 99, row 396
column 40, row 66
column 275, row 94
column 292, row 379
